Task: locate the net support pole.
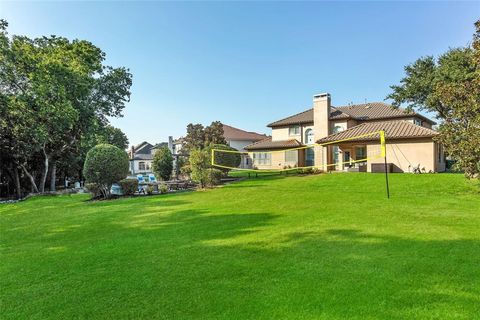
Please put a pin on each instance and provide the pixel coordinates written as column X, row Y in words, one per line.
column 384, row 154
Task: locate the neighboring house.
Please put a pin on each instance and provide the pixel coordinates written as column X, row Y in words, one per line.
column 408, row 136
column 236, row 138
column 177, row 145
column 239, row 139
column 141, row 157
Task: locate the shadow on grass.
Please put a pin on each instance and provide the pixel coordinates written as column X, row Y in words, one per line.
column 196, row 264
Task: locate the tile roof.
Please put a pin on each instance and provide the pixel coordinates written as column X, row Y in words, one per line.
column 307, row 117
column 267, row 144
column 398, row 129
column 232, row 133
column 365, row 112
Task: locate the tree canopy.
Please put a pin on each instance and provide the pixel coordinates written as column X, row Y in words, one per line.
column 449, row 87
column 162, row 163
column 200, row 137
column 55, row 99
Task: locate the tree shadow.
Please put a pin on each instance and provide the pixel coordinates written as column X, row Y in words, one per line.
column 162, row 263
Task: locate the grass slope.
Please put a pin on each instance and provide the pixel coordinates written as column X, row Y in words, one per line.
column 322, row 247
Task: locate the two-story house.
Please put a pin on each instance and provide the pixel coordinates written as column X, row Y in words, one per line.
column 409, row 138
column 141, row 157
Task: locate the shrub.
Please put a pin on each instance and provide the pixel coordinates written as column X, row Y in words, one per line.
column 95, row 189
column 162, row 163
column 199, row 163
column 162, row 188
column 129, row 186
column 104, row 165
column 306, row 170
column 150, row 189
column 213, row 177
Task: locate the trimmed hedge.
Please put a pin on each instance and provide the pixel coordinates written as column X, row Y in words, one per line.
column 105, row 164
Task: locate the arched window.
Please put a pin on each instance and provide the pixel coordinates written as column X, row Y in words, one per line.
column 309, row 136
column 337, row 129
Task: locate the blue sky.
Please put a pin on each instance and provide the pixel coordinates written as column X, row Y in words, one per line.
column 247, row 64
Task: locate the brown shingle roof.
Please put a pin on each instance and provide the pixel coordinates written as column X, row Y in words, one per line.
column 398, row 129
column 232, row 133
column 268, row 144
column 365, row 112
column 306, row 117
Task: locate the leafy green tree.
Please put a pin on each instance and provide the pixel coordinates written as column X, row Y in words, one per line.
column 199, row 137
column 449, row 87
column 162, row 163
column 104, row 165
column 195, row 137
column 54, row 92
column 214, row 134
column 199, row 165
column 113, row 136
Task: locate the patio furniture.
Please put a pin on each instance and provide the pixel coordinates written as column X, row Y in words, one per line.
column 141, row 184
column 152, row 178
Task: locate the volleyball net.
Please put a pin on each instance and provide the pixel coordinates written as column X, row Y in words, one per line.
column 351, row 152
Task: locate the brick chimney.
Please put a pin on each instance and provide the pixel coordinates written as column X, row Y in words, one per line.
column 321, row 126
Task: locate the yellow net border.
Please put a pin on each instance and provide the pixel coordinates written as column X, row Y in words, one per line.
column 381, row 133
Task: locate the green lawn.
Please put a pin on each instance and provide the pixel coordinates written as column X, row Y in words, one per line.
column 313, row 247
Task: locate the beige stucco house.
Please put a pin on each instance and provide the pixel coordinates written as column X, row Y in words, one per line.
column 409, row 139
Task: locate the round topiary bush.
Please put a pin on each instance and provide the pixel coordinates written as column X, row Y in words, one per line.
column 104, row 165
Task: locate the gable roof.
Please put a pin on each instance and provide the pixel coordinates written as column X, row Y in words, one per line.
column 231, row 133
column 267, row 144
column 360, row 112
column 398, row 129
column 143, row 148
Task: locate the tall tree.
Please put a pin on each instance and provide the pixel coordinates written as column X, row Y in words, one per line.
column 195, row 138
column 214, row 134
column 449, row 87
column 199, row 137
column 55, row 91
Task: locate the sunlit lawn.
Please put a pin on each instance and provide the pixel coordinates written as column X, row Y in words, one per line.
column 314, row 247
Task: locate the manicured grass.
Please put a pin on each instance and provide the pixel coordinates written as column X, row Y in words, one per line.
column 313, row 247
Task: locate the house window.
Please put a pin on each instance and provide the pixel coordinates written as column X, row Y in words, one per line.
column 294, row 131
column 337, row 129
column 440, row 153
column 417, row 122
column 309, row 136
column 336, row 154
column 360, row 153
column 141, row 166
column 262, row 158
column 291, row 156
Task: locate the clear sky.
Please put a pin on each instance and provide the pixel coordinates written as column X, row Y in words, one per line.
column 247, row 64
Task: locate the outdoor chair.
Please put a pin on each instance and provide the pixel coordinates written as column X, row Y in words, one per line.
column 152, row 178
column 141, row 183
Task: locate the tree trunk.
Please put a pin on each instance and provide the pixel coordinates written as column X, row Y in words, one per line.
column 43, row 177
column 16, row 181
column 53, row 176
column 32, row 179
